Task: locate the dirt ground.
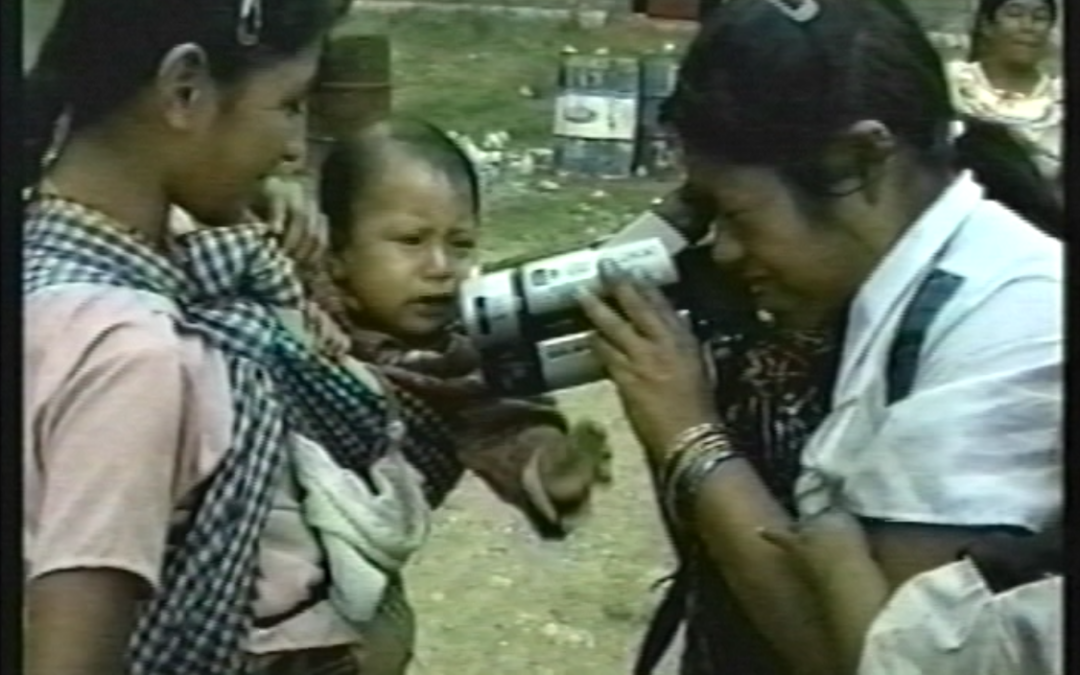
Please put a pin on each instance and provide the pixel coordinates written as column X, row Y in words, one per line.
column 492, row 599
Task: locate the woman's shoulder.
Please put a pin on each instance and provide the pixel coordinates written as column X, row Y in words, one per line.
column 964, row 76
column 84, row 339
column 966, row 83
column 996, row 244
column 89, row 313
column 75, row 327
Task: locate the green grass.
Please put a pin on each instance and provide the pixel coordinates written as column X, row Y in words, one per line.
column 539, row 221
column 465, row 72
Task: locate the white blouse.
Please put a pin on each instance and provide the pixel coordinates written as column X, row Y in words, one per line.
column 948, row 622
column 1035, row 118
column 976, row 443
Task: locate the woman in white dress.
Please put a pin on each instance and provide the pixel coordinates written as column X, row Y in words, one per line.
column 1005, row 78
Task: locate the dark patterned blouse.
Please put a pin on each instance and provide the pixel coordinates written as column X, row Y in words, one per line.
column 772, row 395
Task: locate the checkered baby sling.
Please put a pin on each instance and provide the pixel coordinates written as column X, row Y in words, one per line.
column 228, row 283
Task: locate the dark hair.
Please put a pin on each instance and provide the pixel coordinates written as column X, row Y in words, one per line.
column 760, row 87
column 100, row 53
column 351, row 166
column 1007, row 560
column 1010, row 175
column 986, row 12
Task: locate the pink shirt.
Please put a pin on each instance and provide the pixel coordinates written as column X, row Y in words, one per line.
column 123, row 417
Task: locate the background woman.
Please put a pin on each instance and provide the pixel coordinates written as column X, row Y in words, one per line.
column 824, row 137
column 1006, row 79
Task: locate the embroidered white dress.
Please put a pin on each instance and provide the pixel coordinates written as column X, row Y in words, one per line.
column 1036, row 118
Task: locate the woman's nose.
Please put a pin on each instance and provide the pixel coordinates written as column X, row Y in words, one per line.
column 726, row 249
column 1026, row 22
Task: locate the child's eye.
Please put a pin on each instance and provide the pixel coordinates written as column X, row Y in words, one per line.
column 411, row 240
column 465, row 245
column 732, row 218
column 296, row 106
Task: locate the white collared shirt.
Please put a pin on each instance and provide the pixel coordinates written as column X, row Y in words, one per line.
column 977, row 441
column 948, row 622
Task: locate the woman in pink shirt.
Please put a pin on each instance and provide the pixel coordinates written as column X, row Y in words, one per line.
column 159, row 394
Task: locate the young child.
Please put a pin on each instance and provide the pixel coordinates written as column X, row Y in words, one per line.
column 401, row 201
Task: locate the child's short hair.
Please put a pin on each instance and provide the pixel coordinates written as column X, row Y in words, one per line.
column 352, row 166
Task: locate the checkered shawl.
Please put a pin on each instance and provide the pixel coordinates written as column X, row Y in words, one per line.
column 228, row 283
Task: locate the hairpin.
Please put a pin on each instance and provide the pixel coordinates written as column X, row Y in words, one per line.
column 957, row 128
column 250, row 24
column 60, row 132
column 799, row 11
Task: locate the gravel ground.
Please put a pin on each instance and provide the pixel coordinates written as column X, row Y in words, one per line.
column 491, row 598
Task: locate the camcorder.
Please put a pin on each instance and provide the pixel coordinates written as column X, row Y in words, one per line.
column 524, row 317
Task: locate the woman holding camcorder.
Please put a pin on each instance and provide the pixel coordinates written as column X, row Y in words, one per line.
column 849, row 194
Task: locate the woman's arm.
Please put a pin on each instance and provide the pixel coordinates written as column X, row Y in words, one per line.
column 79, row 622
column 732, row 506
column 852, row 591
column 656, row 366
column 834, row 555
column 107, row 447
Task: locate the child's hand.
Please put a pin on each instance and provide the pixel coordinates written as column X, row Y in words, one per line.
column 294, row 217
column 330, row 339
column 589, row 440
column 571, row 464
column 822, row 543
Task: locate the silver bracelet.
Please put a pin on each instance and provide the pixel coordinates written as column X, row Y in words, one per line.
column 709, row 443
column 684, row 483
column 688, row 439
column 688, row 488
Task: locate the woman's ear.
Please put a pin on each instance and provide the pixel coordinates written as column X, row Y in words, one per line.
column 870, row 142
column 185, row 90
column 859, row 154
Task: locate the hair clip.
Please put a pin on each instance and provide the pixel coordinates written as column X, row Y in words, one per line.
column 250, row 24
column 60, row 132
column 957, row 129
column 799, row 11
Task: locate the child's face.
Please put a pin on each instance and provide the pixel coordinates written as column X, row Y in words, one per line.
column 413, row 243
